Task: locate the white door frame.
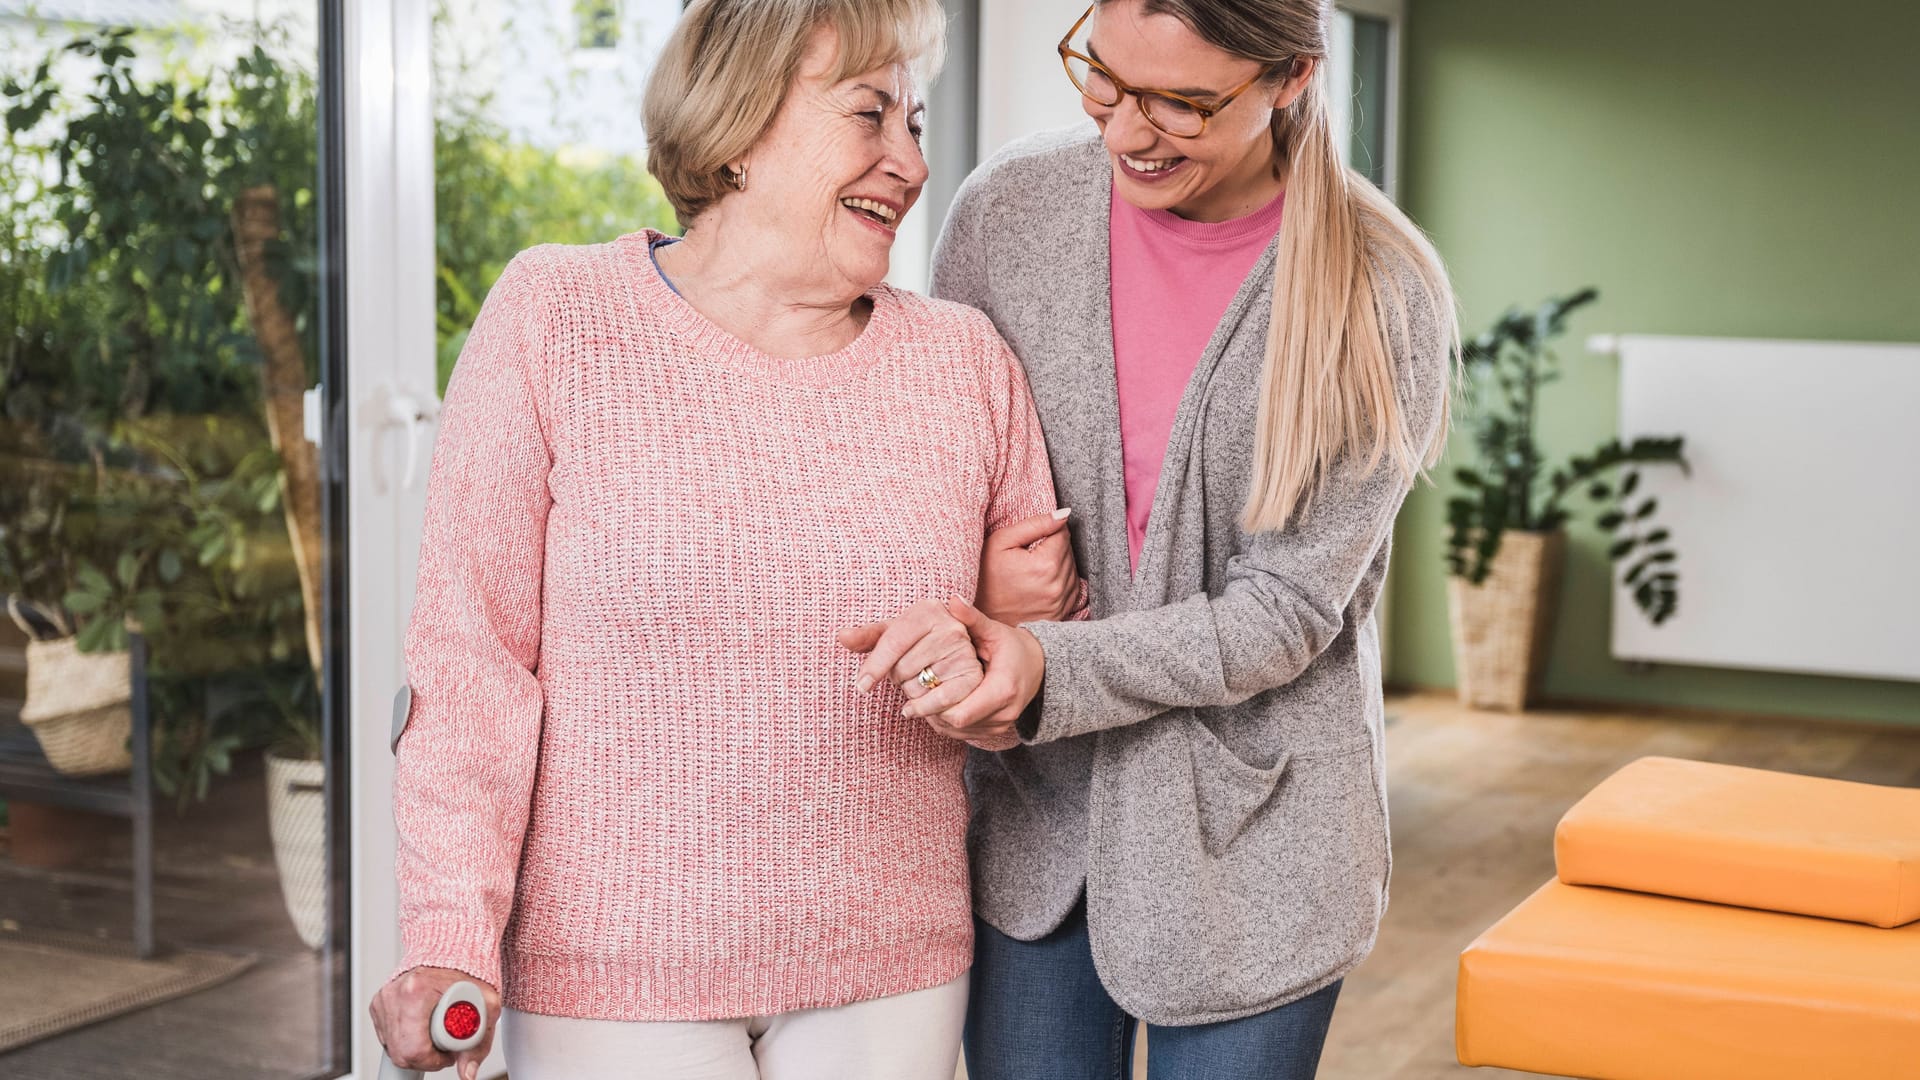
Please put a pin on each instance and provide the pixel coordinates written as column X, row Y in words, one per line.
column 1395, row 14
column 389, row 225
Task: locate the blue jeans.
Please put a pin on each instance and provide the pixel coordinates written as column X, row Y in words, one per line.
column 1038, row 1012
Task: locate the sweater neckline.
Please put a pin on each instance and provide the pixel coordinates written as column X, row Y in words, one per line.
column 660, row 300
column 1262, row 223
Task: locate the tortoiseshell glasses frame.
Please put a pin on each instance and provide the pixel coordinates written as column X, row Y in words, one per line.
column 1177, row 115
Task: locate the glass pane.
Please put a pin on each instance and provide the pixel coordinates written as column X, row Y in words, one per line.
column 163, row 549
column 537, row 137
column 1339, row 75
column 1367, row 149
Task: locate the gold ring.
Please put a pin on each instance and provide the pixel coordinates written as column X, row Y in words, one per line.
column 927, row 678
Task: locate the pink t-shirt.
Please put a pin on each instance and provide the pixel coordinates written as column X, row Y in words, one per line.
column 1172, row 282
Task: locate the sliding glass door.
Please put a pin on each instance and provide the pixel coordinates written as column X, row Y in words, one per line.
column 173, row 880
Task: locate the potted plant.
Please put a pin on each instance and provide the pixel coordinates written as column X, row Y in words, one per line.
column 296, row 798
column 159, row 288
column 231, row 601
column 1506, row 529
column 80, row 686
column 73, row 580
column 194, row 190
column 236, row 670
column 239, row 670
column 78, row 704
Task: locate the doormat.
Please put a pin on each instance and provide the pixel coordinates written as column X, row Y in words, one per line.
column 55, row 984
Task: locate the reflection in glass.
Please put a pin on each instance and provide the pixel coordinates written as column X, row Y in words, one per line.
column 159, row 284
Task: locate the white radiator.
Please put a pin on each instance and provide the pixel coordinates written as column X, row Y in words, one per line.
column 1799, row 529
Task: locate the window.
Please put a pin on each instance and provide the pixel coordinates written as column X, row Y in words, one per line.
column 167, row 306
column 537, row 136
column 1363, row 83
column 597, row 24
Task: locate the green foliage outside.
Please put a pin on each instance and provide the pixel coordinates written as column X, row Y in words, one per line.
column 496, row 198
column 138, row 482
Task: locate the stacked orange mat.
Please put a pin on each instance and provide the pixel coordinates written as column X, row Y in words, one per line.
column 1710, row 922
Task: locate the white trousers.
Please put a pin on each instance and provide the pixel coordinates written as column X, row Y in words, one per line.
column 913, row 1036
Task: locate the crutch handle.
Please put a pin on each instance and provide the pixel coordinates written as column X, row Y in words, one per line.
column 459, row 1023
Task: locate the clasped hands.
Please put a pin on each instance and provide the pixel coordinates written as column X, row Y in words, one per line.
column 985, row 668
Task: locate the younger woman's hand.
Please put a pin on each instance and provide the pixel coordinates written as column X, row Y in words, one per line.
column 986, row 715
column 1027, row 571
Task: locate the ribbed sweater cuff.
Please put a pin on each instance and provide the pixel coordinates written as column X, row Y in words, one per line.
column 474, row 950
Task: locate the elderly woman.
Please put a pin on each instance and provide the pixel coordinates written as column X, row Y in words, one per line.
column 642, row 790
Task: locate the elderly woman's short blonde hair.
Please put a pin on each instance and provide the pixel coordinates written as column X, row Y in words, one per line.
column 728, row 66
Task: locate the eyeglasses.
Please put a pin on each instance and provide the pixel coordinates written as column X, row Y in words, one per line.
column 1175, row 114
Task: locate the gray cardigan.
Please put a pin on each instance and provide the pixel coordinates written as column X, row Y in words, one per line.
column 1205, row 757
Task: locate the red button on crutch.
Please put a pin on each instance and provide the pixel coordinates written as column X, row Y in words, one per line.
column 459, row 1023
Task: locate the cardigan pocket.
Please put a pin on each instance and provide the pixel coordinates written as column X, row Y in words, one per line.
column 1227, row 791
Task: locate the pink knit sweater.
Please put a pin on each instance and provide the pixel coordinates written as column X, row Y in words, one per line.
column 637, row 782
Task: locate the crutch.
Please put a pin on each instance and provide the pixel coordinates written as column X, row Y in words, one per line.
column 460, row 1019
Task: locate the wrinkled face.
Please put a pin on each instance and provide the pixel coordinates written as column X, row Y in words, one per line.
column 838, row 170
column 1154, row 170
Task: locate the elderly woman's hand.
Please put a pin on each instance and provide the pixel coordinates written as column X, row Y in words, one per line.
column 1027, row 572
column 924, row 638
column 981, row 710
column 403, row 1009
column 1015, row 666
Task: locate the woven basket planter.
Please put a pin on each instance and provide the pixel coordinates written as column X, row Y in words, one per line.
column 1501, row 627
column 79, row 706
column 297, row 818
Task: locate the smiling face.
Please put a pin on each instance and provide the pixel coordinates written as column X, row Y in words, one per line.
column 1225, row 172
column 838, row 170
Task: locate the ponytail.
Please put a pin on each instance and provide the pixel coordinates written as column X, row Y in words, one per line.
column 1328, row 386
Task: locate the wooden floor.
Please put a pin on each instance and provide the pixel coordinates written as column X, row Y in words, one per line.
column 215, row 888
column 1474, row 797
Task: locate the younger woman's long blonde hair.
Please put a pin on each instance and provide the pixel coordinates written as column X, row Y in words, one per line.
column 1328, row 387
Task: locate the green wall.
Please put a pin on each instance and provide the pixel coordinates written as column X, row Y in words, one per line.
column 1746, row 169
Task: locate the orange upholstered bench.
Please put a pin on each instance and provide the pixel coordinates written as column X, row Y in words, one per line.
column 1710, row 922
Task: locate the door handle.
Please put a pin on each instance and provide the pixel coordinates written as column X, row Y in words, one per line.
column 389, row 407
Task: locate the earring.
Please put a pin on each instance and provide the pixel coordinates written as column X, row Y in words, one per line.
column 740, row 177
